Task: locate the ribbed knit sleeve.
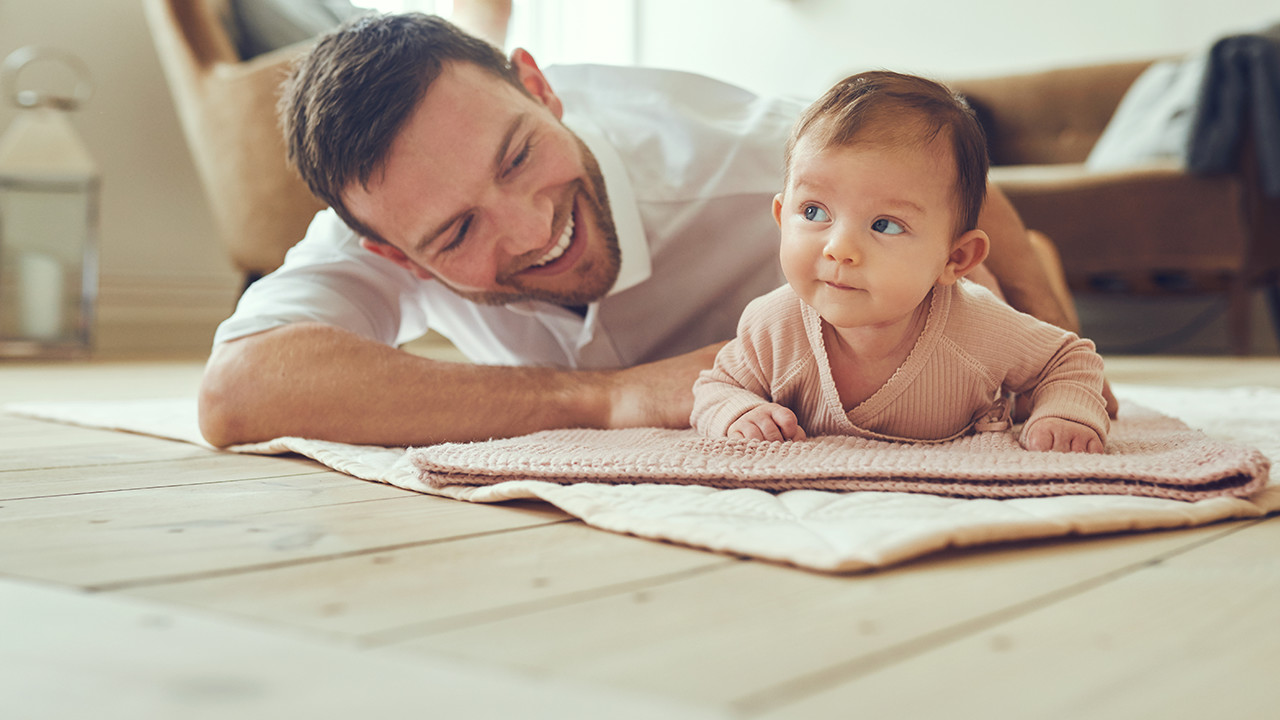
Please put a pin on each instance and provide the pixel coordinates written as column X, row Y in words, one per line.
column 1062, row 371
column 758, row 366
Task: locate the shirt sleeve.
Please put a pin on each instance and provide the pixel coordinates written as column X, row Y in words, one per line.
column 328, row 278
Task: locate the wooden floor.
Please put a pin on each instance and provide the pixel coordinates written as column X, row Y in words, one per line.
column 142, row 578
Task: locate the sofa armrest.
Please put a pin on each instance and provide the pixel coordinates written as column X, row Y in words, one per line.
column 1048, row 117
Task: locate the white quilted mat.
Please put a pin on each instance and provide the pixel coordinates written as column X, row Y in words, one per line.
column 818, row 530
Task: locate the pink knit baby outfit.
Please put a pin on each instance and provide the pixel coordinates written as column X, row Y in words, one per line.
column 973, row 348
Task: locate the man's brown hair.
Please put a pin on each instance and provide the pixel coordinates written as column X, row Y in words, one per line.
column 348, row 98
column 888, row 107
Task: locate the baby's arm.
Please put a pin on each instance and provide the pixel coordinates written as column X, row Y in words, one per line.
column 1062, row 375
column 732, row 390
column 740, row 383
column 769, row 421
column 1054, row 434
column 1068, row 412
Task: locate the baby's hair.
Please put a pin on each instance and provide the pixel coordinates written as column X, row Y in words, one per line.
column 882, row 108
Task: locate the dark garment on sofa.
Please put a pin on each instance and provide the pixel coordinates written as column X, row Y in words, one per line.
column 260, row 26
column 1241, row 89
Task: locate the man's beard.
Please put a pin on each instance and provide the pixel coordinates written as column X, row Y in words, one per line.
column 595, row 275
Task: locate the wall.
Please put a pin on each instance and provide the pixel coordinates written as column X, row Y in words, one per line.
column 165, row 281
column 802, row 46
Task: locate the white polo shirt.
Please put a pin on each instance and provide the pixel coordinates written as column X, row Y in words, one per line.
column 691, row 166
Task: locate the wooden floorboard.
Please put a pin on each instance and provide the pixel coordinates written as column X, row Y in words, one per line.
column 194, row 469
column 48, row 448
column 756, row 637
column 66, row 656
column 1189, row 634
column 378, row 598
column 127, row 538
column 267, row 563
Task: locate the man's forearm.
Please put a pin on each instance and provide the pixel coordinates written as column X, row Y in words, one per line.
column 315, row 381
column 1026, row 278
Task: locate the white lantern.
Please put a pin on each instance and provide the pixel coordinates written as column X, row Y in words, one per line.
column 48, row 217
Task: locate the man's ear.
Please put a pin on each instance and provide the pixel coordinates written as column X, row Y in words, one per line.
column 395, row 255
column 535, row 82
column 967, row 253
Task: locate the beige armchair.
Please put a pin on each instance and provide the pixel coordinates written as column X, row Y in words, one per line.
column 227, row 111
column 1149, row 230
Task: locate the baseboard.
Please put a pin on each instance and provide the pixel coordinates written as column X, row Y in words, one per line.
column 1171, row 325
column 148, row 315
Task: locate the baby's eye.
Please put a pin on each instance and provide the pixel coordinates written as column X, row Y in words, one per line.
column 813, row 213
column 888, row 227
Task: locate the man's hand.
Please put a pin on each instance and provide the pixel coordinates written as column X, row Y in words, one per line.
column 770, row 421
column 658, row 394
column 1058, row 435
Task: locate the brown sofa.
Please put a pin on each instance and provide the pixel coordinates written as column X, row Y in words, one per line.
column 1149, row 230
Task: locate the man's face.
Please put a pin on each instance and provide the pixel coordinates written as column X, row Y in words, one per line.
column 486, row 191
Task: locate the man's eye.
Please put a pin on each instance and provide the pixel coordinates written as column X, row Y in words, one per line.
column 458, row 237
column 888, row 227
column 521, row 158
column 518, row 160
column 813, row 213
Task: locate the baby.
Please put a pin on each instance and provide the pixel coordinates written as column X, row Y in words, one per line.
column 875, row 334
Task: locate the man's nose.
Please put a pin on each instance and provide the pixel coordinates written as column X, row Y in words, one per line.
column 522, row 220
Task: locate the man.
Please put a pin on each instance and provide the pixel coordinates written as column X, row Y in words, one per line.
column 590, row 273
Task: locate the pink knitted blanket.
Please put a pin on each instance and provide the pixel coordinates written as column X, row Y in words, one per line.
column 1148, row 454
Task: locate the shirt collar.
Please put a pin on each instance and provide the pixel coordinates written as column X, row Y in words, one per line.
column 636, row 265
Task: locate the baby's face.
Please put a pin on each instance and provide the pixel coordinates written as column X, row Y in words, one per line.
column 866, row 229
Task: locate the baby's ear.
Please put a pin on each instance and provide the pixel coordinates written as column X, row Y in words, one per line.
column 967, row 253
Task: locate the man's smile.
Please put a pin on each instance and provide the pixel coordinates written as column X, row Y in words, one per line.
column 562, row 244
column 562, row 254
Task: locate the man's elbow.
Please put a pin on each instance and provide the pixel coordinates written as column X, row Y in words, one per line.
column 225, row 400
column 221, row 423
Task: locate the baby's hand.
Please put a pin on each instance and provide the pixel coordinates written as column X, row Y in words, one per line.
column 770, row 421
column 1059, row 435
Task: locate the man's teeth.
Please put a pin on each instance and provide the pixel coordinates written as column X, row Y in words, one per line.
column 566, row 237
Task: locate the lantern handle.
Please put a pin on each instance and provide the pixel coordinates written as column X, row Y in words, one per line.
column 22, row 57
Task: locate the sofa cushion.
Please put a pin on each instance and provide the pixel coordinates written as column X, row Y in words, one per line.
column 1153, row 120
column 1150, row 219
